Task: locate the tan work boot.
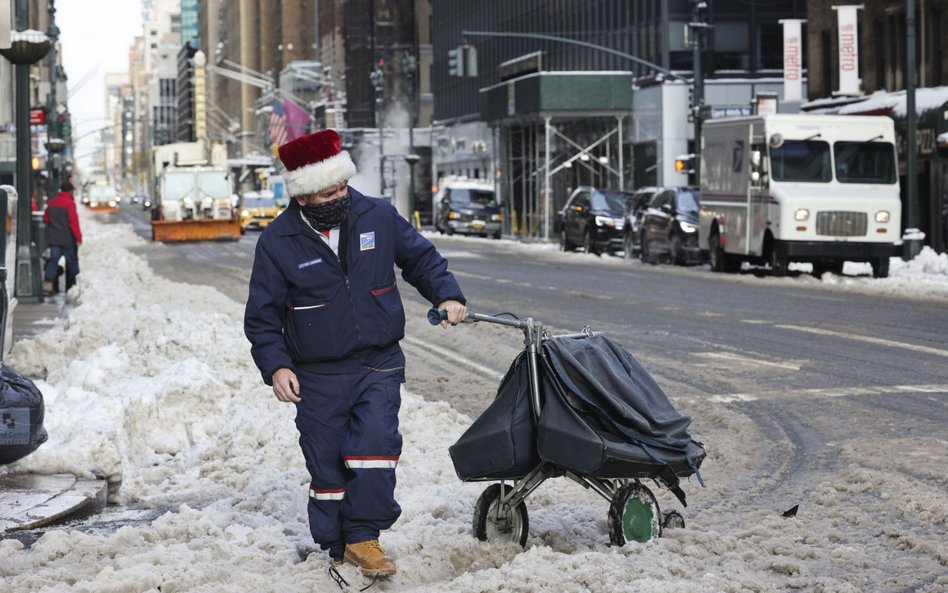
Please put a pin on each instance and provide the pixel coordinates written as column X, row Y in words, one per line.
column 47, row 288
column 370, row 557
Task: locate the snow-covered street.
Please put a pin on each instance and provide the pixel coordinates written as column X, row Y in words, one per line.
column 151, row 386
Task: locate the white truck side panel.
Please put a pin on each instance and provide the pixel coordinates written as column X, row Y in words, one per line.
column 724, row 184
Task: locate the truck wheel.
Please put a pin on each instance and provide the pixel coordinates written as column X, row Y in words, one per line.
column 716, row 255
column 778, row 263
column 880, row 267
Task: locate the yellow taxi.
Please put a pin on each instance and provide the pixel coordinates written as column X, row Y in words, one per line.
column 257, row 209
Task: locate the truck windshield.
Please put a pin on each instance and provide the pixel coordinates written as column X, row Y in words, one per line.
column 197, row 186
column 802, row 160
column 864, row 162
column 473, row 197
column 260, row 203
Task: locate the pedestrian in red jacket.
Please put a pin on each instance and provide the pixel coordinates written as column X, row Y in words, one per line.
column 63, row 237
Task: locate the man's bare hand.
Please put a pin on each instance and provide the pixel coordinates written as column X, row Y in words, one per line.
column 286, row 387
column 456, row 312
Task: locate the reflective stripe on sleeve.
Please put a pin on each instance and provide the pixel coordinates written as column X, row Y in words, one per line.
column 353, row 462
column 335, row 494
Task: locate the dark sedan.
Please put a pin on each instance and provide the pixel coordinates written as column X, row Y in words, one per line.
column 592, row 219
column 670, row 227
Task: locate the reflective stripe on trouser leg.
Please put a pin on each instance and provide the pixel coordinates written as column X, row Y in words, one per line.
column 371, row 452
column 322, row 417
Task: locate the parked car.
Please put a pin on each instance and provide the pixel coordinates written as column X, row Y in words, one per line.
column 467, row 207
column 632, row 217
column 257, row 210
column 592, row 218
column 670, row 227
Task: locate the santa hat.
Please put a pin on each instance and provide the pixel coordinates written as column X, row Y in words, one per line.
column 315, row 162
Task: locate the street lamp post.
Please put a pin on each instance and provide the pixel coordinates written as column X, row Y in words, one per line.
column 26, row 48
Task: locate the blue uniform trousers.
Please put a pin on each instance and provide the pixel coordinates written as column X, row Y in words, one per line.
column 348, row 425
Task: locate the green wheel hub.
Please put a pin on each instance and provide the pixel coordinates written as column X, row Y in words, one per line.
column 638, row 520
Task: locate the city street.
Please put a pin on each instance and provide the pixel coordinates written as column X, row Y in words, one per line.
column 829, row 400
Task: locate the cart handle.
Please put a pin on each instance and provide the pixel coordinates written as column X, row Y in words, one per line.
column 436, row 316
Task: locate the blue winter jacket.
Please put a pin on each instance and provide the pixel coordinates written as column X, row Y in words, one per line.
column 304, row 311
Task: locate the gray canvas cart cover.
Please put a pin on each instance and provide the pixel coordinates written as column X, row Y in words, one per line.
column 603, row 415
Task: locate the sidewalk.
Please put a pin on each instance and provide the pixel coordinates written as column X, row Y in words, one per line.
column 30, row 501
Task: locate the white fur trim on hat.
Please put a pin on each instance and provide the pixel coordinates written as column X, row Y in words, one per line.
column 315, row 177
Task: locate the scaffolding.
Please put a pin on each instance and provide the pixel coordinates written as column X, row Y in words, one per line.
column 554, row 132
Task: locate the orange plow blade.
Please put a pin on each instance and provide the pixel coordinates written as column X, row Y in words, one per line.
column 103, row 208
column 195, row 230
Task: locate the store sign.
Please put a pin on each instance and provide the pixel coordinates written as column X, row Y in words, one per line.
column 848, row 29
column 792, row 60
column 37, row 116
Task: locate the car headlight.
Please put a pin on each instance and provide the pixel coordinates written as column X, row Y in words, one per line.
column 113, row 203
column 497, row 217
column 245, row 213
column 801, row 214
column 605, row 221
column 882, row 216
column 687, row 226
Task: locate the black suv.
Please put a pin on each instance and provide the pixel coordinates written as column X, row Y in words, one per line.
column 670, row 227
column 592, row 218
column 632, row 217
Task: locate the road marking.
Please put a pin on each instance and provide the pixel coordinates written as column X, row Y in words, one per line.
column 729, row 356
column 868, row 339
column 831, row 392
column 448, row 355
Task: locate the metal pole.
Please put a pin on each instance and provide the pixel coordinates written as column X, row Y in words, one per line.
column 411, row 66
column 697, row 33
column 547, row 194
column 52, row 115
column 24, row 158
column 911, row 246
column 621, row 160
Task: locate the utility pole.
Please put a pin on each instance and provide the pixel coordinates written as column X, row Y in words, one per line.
column 697, row 91
column 912, row 244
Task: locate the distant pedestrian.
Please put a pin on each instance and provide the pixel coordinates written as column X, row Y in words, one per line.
column 324, row 318
column 63, row 237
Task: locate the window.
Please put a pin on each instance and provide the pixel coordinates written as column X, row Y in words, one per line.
column 686, row 202
column 801, row 160
column 864, row 162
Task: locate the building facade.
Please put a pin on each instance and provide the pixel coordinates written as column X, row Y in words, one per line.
column 588, row 141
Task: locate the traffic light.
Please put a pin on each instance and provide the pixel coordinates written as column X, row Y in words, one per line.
column 684, row 164
column 456, row 62
column 470, row 61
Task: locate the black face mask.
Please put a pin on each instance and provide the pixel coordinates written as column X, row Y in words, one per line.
column 328, row 214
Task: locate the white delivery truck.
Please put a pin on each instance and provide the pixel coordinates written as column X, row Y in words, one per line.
column 782, row 188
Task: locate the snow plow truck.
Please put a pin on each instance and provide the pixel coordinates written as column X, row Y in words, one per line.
column 193, row 191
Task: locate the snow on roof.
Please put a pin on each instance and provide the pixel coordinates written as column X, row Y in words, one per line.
column 894, row 103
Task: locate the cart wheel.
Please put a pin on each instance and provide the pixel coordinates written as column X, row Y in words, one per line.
column 634, row 515
column 491, row 523
column 673, row 520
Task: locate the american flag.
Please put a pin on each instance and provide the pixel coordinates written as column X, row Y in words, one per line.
column 276, row 127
